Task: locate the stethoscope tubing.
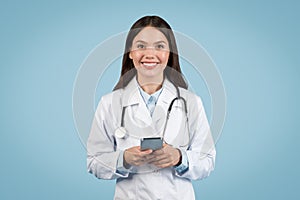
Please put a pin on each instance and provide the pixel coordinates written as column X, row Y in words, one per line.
column 167, row 118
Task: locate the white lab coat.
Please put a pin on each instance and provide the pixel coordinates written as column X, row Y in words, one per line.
column 148, row 182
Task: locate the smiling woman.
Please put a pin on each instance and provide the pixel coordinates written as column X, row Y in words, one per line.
column 161, row 30
column 150, row 85
column 150, row 54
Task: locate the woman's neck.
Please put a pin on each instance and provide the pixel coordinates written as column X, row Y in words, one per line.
column 150, row 86
column 150, row 89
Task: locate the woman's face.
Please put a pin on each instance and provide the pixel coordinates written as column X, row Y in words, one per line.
column 150, row 53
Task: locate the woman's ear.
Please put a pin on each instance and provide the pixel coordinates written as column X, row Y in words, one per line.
column 130, row 55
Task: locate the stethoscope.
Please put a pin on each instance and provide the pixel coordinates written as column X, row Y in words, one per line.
column 121, row 131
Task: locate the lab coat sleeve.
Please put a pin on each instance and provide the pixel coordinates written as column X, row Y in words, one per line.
column 103, row 160
column 184, row 166
column 201, row 152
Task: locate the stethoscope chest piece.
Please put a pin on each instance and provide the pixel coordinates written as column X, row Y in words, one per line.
column 121, row 133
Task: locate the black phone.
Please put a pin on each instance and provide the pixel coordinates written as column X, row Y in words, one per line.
column 153, row 143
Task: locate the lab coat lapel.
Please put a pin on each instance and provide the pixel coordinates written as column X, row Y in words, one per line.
column 132, row 97
column 142, row 113
column 164, row 100
column 130, row 94
column 174, row 129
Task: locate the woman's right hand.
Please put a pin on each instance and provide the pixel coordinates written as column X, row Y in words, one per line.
column 135, row 157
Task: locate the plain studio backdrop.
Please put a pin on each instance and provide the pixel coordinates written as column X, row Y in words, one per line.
column 254, row 44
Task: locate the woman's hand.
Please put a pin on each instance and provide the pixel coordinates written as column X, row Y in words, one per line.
column 168, row 156
column 135, row 157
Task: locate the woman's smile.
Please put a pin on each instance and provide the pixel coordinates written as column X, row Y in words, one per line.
column 149, row 65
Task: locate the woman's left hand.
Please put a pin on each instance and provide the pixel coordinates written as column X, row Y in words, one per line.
column 167, row 156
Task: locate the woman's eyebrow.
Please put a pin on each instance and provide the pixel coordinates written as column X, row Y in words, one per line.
column 142, row 41
column 161, row 41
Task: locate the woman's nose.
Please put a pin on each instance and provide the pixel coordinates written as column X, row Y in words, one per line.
column 149, row 56
column 150, row 52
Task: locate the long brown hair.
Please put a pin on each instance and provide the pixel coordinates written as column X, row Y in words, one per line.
column 172, row 71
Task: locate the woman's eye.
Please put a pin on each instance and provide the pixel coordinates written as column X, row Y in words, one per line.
column 160, row 46
column 140, row 46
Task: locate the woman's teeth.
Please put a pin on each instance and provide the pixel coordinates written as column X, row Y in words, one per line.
column 149, row 64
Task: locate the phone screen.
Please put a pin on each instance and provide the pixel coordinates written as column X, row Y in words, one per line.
column 153, row 143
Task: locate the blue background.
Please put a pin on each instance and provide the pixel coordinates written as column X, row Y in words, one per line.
column 255, row 45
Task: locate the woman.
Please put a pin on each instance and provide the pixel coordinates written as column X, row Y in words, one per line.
column 138, row 108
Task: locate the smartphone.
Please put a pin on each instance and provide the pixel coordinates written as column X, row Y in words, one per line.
column 153, row 143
